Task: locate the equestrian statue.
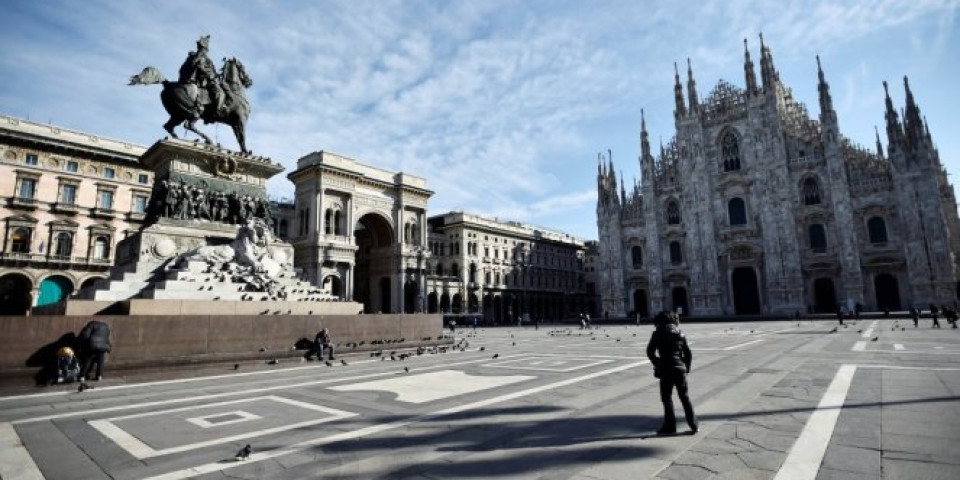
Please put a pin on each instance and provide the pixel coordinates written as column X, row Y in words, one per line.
column 203, row 93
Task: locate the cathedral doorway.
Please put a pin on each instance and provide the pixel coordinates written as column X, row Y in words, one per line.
column 15, row 296
column 374, row 239
column 888, row 291
column 824, row 295
column 640, row 303
column 680, row 301
column 746, row 295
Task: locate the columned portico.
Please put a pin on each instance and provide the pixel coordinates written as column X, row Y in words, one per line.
column 362, row 225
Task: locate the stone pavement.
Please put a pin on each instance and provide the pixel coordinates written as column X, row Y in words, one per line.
column 785, row 400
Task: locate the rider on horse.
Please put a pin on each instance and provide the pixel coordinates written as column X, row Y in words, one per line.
column 199, row 70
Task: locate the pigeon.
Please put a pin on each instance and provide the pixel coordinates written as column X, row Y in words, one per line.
column 328, row 364
column 514, row 344
column 236, row 366
column 343, row 362
column 874, row 339
column 834, row 330
column 483, row 348
column 83, row 386
column 263, row 349
column 496, row 355
column 273, row 361
column 406, row 369
column 243, row 453
column 860, row 331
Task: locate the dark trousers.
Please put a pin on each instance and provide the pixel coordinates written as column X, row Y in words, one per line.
column 318, row 349
column 93, row 357
column 678, row 379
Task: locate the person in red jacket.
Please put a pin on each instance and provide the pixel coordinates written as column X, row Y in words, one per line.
column 671, row 358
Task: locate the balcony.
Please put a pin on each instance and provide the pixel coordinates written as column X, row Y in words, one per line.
column 136, row 216
column 20, row 258
column 63, row 207
column 23, row 202
column 103, row 212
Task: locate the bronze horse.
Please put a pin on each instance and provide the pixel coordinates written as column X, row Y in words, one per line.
column 186, row 103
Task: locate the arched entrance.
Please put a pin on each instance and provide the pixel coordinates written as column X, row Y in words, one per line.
column 410, row 296
column 53, row 289
column 824, row 295
column 640, row 303
column 888, row 291
column 371, row 272
column 445, row 303
column 746, row 296
column 432, row 302
column 457, row 303
column 15, row 296
column 333, row 285
column 473, row 303
column 679, row 296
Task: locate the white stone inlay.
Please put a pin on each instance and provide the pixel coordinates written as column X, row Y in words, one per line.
column 205, row 421
column 427, row 387
column 547, row 364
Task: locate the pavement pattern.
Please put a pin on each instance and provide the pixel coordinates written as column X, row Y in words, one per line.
column 776, row 400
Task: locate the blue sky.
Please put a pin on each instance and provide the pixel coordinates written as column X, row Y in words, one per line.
column 501, row 105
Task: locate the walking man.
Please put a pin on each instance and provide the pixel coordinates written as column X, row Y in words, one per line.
column 934, row 312
column 671, row 358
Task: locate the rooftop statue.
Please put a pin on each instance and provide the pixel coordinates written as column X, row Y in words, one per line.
column 203, row 93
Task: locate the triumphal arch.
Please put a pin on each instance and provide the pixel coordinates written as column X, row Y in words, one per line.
column 359, row 231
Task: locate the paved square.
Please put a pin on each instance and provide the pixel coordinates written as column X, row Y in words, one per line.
column 788, row 400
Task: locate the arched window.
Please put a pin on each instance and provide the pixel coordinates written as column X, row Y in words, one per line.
column 637, row 253
column 473, row 273
column 64, row 245
column 818, row 238
column 497, row 278
column 730, row 152
column 20, row 241
column 737, row 212
column 101, row 248
column 676, row 256
column 810, row 192
column 337, row 230
column 877, row 230
column 673, row 213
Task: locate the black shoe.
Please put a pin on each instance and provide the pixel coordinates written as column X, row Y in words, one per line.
column 694, row 428
column 666, row 431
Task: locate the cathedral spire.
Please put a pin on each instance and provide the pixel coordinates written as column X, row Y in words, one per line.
column 826, row 102
column 912, row 121
column 879, row 145
column 644, row 138
column 767, row 71
column 751, row 77
column 691, row 89
column 623, row 190
column 681, row 110
column 894, row 132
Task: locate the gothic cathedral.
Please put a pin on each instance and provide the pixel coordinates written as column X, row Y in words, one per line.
column 753, row 207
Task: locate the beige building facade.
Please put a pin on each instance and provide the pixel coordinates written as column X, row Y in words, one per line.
column 503, row 270
column 66, row 199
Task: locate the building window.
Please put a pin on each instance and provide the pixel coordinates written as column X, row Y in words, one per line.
column 139, row 204
column 730, row 151
column 30, row 159
column 72, row 167
column 877, row 230
column 68, row 194
column 101, row 248
column 676, row 256
column 737, row 212
column 673, row 213
column 282, row 229
column 143, row 179
column 109, row 172
column 63, row 245
column 27, row 188
column 20, row 240
column 105, row 199
column 810, row 192
column 455, row 270
column 637, row 255
column 818, row 238
column 439, row 269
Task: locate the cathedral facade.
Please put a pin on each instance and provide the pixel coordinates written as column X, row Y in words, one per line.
column 755, row 207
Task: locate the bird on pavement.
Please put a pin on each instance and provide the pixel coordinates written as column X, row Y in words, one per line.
column 406, row 369
column 343, row 362
column 243, row 453
column 874, row 339
column 483, row 348
column 496, row 355
column 328, row 364
column 83, row 386
column 236, row 366
column 834, row 330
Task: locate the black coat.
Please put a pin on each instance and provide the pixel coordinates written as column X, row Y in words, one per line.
column 95, row 337
column 668, row 350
